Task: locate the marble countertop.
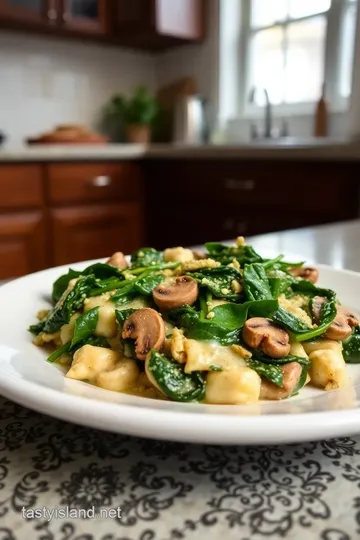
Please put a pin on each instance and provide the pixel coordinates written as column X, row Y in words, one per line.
column 291, row 148
column 167, row 491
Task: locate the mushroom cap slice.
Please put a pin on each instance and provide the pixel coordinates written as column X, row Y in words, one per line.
column 261, row 333
column 147, row 328
column 177, row 292
column 118, row 260
column 305, row 272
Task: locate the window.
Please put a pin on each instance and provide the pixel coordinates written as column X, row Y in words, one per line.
column 293, row 47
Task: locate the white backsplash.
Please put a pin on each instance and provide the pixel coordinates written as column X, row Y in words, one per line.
column 46, row 82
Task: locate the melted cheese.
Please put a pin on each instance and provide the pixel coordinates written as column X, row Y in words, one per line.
column 203, row 355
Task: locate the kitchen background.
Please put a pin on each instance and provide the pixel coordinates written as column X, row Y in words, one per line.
column 235, row 163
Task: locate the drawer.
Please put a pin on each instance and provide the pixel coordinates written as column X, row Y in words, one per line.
column 21, row 186
column 95, row 181
column 321, row 187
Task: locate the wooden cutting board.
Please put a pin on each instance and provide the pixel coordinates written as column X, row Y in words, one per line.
column 168, row 96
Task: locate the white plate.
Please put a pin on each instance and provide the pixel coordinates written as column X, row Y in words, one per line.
column 27, row 378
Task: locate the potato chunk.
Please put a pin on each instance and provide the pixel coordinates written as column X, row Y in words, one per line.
column 178, row 254
column 89, row 361
column 328, row 369
column 234, row 387
column 122, row 377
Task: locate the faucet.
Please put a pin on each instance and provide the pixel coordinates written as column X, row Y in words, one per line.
column 268, row 115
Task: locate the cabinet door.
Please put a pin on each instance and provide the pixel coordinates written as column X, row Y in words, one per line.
column 92, row 232
column 89, row 16
column 22, row 244
column 37, row 11
column 182, row 19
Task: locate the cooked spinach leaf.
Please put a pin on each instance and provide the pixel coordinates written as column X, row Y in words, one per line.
column 95, row 341
column 123, row 314
column 279, row 282
column 218, row 281
column 85, row 326
column 256, row 283
column 146, row 257
column 351, row 347
column 65, row 307
column 258, row 355
column 226, row 254
column 173, row 381
column 101, row 271
column 225, row 325
column 271, row 372
column 142, row 285
column 37, row 328
column 59, row 352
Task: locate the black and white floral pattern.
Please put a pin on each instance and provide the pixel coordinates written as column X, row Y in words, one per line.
column 169, row 491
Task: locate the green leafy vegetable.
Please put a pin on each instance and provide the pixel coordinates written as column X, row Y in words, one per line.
column 37, row 328
column 256, row 284
column 215, row 367
column 173, row 381
column 85, row 326
column 59, row 352
column 279, row 282
column 351, row 347
column 65, row 307
column 123, row 314
column 95, row 341
column 101, row 271
column 271, row 372
column 146, row 257
column 226, row 254
column 218, row 281
column 142, row 285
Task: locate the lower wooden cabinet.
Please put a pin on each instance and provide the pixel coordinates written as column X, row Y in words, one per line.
column 94, row 231
column 22, row 244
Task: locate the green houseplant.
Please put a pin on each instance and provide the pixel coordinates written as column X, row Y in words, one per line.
column 137, row 113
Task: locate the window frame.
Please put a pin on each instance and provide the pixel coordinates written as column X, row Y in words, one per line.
column 335, row 16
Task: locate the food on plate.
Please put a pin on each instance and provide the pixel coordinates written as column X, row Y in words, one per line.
column 224, row 327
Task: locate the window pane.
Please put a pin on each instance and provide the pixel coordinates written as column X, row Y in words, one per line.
column 304, row 73
column 347, row 50
column 303, row 8
column 266, row 12
column 267, row 62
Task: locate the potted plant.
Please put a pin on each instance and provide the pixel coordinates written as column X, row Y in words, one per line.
column 137, row 113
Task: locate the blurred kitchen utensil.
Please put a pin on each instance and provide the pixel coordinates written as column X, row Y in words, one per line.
column 168, row 96
column 191, row 122
column 3, row 138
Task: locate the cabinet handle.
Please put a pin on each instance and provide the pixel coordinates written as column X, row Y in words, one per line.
column 239, row 185
column 52, row 15
column 100, row 181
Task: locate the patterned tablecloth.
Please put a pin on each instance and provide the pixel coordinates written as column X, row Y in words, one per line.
column 137, row 489
column 151, row 490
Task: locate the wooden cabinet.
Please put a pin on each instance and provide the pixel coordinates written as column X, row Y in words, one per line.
column 85, row 15
column 203, row 200
column 147, row 24
column 91, row 232
column 22, row 244
column 35, row 11
column 159, row 24
column 62, row 213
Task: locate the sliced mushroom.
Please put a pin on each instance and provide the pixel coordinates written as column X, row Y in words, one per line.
column 341, row 327
column 305, row 272
column 291, row 375
column 175, row 293
column 261, row 333
column 118, row 260
column 147, row 328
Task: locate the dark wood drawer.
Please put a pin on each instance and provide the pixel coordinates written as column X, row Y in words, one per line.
column 319, row 187
column 94, row 181
column 20, row 186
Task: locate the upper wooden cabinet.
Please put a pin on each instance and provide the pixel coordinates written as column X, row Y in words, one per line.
column 33, row 11
column 158, row 24
column 85, row 15
column 146, row 24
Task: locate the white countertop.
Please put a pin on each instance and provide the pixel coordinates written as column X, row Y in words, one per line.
column 323, row 149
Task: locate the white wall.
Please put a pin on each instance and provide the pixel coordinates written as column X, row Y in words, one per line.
column 200, row 61
column 45, row 82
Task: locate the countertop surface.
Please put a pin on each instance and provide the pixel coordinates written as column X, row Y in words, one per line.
column 291, row 148
column 168, row 491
